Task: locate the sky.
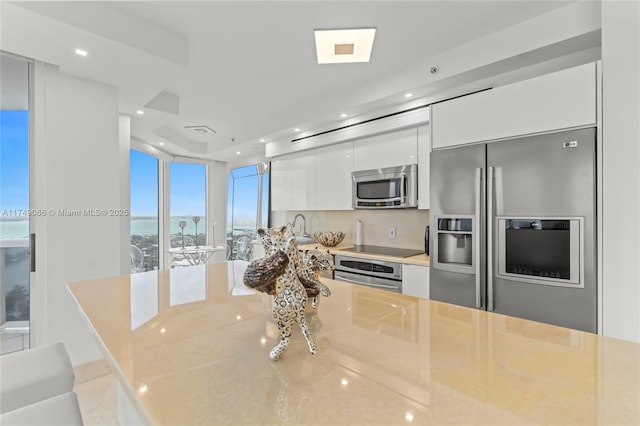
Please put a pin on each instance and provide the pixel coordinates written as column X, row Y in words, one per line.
column 187, row 188
column 14, row 159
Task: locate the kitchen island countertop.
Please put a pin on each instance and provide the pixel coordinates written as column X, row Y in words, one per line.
column 190, row 346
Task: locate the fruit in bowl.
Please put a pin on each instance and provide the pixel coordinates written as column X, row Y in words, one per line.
column 328, row 238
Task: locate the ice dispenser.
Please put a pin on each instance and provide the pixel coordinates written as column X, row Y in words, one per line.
column 454, row 244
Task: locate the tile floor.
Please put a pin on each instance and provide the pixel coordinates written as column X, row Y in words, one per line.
column 98, row 401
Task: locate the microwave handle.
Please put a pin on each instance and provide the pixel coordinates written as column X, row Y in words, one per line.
column 403, row 183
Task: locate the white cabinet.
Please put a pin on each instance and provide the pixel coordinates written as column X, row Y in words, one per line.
column 333, row 168
column 415, row 280
column 555, row 101
column 293, row 182
column 424, row 158
column 319, row 179
column 386, row 150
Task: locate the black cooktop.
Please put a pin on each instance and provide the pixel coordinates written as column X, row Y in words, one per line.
column 386, row 251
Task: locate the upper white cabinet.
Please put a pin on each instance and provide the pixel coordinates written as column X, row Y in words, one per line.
column 293, row 182
column 555, row 101
column 334, row 165
column 386, row 150
column 318, row 179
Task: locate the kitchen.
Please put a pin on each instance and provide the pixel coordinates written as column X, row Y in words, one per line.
column 440, row 186
column 620, row 295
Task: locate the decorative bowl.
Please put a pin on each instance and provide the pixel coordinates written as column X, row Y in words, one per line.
column 328, row 238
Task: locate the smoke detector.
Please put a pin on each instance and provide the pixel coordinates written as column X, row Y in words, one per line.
column 200, row 130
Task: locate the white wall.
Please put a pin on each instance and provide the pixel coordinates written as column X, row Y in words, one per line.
column 621, row 173
column 80, row 164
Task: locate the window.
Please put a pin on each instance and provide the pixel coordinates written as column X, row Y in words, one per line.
column 144, row 212
column 188, row 204
column 14, row 206
column 247, row 208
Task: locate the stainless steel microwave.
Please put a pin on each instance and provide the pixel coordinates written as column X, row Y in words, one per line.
column 386, row 188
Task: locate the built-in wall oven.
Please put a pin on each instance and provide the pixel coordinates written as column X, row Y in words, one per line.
column 541, row 250
column 373, row 273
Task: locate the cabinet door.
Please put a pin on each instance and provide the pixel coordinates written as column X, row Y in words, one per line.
column 415, row 280
column 424, row 158
column 560, row 100
column 387, row 150
column 293, row 182
column 334, row 165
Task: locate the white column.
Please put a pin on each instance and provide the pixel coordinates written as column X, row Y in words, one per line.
column 621, row 171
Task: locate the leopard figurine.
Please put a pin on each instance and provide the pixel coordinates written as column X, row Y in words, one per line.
column 290, row 300
column 311, row 263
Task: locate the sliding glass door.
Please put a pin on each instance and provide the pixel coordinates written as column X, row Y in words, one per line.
column 145, row 228
column 247, row 208
column 15, row 212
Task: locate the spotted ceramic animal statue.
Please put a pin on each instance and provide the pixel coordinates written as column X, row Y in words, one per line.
column 311, row 264
column 290, row 300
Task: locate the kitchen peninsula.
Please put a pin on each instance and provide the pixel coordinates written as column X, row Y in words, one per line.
column 191, row 346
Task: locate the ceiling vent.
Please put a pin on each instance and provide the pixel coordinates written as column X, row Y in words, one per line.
column 200, row 130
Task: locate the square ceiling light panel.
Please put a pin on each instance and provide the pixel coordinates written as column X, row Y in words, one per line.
column 344, row 46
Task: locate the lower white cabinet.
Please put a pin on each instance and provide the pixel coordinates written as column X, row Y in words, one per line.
column 415, row 280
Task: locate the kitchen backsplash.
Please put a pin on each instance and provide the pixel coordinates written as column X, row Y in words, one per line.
column 409, row 225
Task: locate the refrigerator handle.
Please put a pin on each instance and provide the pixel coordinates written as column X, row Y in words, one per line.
column 490, row 305
column 479, row 178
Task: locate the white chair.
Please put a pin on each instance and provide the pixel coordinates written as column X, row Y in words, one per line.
column 34, row 375
column 61, row 410
column 137, row 260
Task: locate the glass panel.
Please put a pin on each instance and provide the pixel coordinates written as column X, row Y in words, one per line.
column 379, row 189
column 144, row 212
column 14, row 206
column 187, row 205
column 247, row 210
column 538, row 247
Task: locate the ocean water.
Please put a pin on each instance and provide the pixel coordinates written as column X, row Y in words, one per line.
column 20, row 228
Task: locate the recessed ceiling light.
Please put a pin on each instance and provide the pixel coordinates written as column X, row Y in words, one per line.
column 238, row 153
column 140, row 112
column 408, row 95
column 343, row 115
column 263, row 140
column 344, row 46
column 161, row 143
column 81, row 52
column 296, row 130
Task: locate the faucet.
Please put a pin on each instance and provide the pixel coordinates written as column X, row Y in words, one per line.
column 304, row 224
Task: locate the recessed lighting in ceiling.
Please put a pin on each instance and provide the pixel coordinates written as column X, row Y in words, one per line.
column 81, row 52
column 343, row 115
column 408, row 95
column 238, row 153
column 263, row 140
column 296, row 130
column 344, row 46
column 161, row 143
column 140, row 112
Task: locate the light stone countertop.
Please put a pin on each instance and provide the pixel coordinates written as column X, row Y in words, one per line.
column 190, row 346
column 419, row 259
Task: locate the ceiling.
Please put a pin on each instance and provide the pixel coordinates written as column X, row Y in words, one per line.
column 246, row 69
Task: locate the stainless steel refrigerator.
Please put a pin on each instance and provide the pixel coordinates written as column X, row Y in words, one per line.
column 513, row 227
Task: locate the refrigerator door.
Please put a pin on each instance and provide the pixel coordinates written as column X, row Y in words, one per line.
column 456, row 223
column 541, row 213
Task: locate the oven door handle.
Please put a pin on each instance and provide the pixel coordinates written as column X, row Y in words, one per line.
column 339, row 278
